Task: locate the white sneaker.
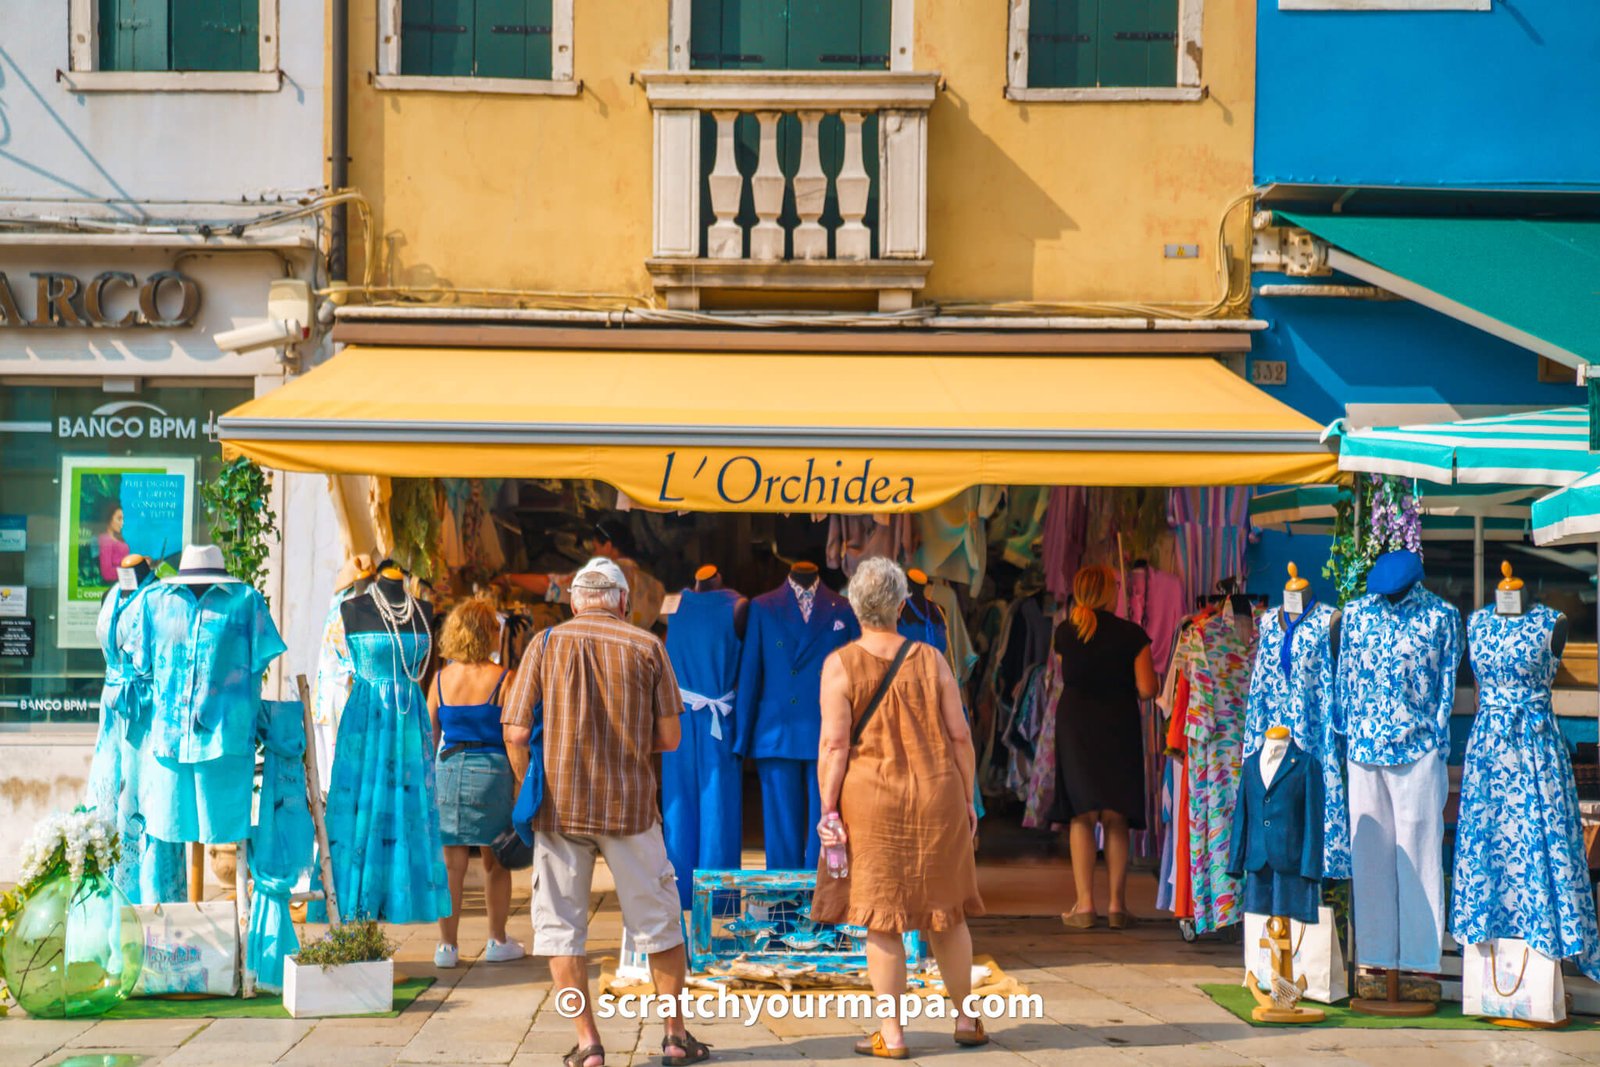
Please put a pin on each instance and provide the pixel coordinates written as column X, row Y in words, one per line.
column 446, row 956
column 503, row 951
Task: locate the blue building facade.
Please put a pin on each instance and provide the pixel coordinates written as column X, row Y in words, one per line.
column 1486, row 109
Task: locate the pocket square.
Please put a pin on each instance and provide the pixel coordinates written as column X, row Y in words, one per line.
column 838, row 624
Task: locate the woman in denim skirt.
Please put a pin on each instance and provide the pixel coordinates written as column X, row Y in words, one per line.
column 475, row 785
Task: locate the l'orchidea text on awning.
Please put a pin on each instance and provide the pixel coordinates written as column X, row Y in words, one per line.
column 743, row 479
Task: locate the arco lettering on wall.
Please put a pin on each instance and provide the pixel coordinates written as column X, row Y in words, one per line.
column 114, row 298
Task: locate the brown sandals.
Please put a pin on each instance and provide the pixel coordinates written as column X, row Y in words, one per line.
column 974, row 1038
column 1078, row 920
column 876, row 1046
column 578, row 1057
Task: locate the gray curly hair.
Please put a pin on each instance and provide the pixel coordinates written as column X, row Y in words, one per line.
column 876, row 592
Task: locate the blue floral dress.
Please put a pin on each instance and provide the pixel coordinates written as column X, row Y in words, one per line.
column 1302, row 698
column 383, row 815
column 1520, row 869
column 149, row 871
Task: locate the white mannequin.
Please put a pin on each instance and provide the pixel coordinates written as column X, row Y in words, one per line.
column 1273, row 750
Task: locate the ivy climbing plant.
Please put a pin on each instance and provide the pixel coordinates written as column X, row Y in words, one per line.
column 243, row 524
column 1377, row 514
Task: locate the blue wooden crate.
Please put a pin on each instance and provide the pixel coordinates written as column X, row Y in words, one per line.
column 765, row 917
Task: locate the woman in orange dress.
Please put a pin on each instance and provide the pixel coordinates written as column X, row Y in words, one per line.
column 903, row 790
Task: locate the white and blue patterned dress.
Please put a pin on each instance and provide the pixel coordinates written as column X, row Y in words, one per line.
column 1303, row 700
column 1520, row 868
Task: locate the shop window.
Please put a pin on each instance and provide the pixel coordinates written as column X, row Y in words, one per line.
column 222, row 45
column 89, row 476
column 496, row 46
column 842, row 35
column 1104, row 50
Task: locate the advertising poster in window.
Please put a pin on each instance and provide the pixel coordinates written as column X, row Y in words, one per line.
column 112, row 508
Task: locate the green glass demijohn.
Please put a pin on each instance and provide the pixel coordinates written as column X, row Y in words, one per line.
column 74, row 949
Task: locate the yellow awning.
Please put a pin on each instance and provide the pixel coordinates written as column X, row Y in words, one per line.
column 713, row 431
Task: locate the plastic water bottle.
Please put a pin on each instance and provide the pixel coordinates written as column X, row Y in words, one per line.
column 838, row 858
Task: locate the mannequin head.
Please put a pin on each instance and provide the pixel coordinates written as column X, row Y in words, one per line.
column 707, row 578
column 805, row 574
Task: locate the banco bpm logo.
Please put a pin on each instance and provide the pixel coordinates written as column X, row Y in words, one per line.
column 133, row 420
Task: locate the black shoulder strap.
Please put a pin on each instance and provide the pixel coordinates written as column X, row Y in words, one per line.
column 880, row 692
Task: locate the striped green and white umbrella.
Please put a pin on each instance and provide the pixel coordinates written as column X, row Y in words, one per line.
column 1537, row 448
column 1569, row 516
column 1447, row 515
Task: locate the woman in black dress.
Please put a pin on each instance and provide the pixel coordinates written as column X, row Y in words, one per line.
column 1106, row 670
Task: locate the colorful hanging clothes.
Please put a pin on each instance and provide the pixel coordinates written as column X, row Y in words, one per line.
column 1217, row 653
column 1212, row 527
column 149, row 871
column 1066, row 528
column 202, row 657
column 335, row 676
column 959, row 650
column 1302, row 699
column 1520, row 866
column 951, row 538
column 281, row 843
column 383, row 814
column 1397, row 677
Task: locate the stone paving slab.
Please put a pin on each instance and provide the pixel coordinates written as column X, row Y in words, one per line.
column 1111, row 998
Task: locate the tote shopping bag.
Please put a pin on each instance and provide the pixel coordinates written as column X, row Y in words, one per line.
column 1506, row 979
column 189, row 948
column 1317, row 955
column 531, row 796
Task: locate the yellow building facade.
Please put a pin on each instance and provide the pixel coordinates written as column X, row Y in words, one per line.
column 564, row 191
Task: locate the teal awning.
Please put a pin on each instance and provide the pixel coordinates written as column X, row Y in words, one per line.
column 1535, row 448
column 1448, row 514
column 1535, row 283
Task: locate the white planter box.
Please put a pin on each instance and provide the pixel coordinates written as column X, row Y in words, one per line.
column 315, row 992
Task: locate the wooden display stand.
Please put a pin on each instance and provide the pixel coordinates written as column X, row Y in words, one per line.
column 1392, row 1006
column 242, row 882
column 1281, row 1003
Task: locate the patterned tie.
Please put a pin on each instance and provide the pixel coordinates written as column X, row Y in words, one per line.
column 806, row 595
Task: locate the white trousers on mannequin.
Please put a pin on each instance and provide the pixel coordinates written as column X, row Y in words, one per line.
column 1397, row 857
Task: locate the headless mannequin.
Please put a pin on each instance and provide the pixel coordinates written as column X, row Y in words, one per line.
column 708, row 578
column 1273, row 750
column 1558, row 635
column 360, row 614
column 804, row 574
column 136, row 565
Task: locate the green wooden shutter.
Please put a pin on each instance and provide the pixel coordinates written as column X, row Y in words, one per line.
column 1163, row 26
column 1138, row 43
column 1062, row 39
column 436, row 37
column 754, row 35
column 215, row 35
column 133, row 34
column 513, row 39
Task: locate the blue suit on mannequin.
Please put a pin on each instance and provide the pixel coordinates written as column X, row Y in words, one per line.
column 779, row 709
column 700, row 781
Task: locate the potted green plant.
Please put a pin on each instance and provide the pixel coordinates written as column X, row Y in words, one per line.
column 348, row 971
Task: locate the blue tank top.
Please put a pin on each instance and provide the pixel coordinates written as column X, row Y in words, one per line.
column 475, row 725
column 703, row 644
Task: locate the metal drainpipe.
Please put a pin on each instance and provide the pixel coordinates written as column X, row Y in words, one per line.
column 339, row 135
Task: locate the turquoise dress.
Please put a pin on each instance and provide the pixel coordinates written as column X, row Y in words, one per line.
column 149, row 871
column 383, row 813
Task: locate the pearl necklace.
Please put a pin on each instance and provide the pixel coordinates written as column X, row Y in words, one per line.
column 405, row 615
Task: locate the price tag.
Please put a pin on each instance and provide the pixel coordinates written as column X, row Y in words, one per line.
column 1294, row 602
column 127, row 579
column 1508, row 601
column 669, row 604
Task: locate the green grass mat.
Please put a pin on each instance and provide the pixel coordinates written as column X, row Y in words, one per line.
column 265, row 1006
column 1237, row 999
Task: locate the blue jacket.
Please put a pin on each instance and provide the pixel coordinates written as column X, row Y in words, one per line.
column 1278, row 827
column 778, row 713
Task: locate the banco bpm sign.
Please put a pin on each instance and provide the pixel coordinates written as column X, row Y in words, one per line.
column 112, row 298
column 131, row 420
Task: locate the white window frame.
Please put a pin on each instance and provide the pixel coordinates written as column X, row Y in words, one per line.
column 1189, row 88
column 1385, row 5
column 560, row 82
column 902, row 34
column 83, row 29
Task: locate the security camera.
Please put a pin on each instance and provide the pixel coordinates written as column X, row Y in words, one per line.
column 273, row 333
column 289, row 317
